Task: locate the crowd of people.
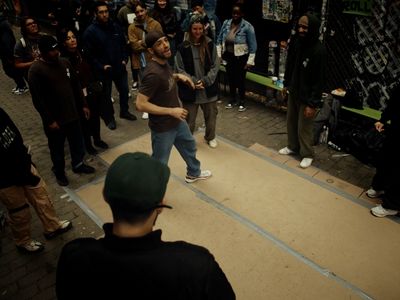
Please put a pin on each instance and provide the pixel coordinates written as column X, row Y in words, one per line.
column 174, row 51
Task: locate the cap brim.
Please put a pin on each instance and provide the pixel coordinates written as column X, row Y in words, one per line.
column 163, row 206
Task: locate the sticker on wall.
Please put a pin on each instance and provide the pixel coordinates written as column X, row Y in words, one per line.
column 277, row 10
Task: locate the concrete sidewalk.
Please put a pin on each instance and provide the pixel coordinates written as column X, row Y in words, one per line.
column 33, row 277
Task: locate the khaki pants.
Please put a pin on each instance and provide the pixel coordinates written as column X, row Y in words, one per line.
column 300, row 129
column 210, row 112
column 16, row 199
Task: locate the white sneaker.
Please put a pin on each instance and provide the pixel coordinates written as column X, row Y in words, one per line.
column 306, row 162
column 241, row 108
column 373, row 193
column 203, row 175
column 31, row 247
column 145, row 116
column 112, row 100
column 213, row 143
column 285, row 151
column 380, row 212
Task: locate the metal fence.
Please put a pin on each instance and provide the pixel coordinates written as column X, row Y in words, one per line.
column 363, row 50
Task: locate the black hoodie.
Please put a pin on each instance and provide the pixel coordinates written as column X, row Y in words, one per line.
column 305, row 74
column 15, row 161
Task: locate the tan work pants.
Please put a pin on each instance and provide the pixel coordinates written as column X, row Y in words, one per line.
column 16, row 199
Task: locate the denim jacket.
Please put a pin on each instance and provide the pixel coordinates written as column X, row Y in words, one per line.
column 245, row 40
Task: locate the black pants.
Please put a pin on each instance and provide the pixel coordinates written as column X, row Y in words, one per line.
column 236, row 75
column 385, row 177
column 14, row 73
column 56, row 140
column 91, row 127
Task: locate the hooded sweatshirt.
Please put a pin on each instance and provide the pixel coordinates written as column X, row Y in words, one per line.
column 14, row 158
column 305, row 74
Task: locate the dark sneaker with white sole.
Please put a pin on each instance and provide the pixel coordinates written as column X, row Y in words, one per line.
column 84, row 169
column 65, row 225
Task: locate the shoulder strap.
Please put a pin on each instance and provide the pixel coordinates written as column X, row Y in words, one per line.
column 23, row 43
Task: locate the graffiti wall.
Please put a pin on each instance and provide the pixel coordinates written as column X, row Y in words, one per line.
column 364, row 51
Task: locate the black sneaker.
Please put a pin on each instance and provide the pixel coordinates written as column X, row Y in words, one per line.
column 128, row 116
column 101, row 144
column 64, row 227
column 84, row 169
column 62, row 180
column 91, row 150
column 112, row 125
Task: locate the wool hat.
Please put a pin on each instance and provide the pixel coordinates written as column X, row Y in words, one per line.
column 196, row 18
column 152, row 37
column 195, row 3
column 47, row 43
column 136, row 182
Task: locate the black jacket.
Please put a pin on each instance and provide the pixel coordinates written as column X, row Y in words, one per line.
column 186, row 93
column 305, row 74
column 105, row 44
column 15, row 161
column 139, row 268
column 7, row 41
column 392, row 111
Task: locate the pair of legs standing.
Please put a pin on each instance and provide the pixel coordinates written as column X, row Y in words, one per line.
column 300, row 132
column 17, row 199
column 56, row 140
column 236, row 72
column 210, row 112
column 384, row 183
column 183, row 140
column 120, row 80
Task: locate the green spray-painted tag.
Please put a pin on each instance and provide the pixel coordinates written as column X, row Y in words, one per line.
column 357, row 7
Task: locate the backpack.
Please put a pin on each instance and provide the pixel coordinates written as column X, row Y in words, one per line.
column 326, row 120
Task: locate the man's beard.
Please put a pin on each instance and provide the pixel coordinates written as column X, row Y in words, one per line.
column 161, row 55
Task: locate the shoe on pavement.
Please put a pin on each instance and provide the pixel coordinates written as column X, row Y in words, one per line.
column 20, row 91
column 134, row 86
column 145, row 116
column 62, row 179
column 101, row 144
column 213, row 143
column 31, row 247
column 306, row 162
column 241, row 108
column 230, row 105
column 65, row 225
column 84, row 169
column 380, row 212
column 91, row 150
column 373, row 193
column 128, row 116
column 112, row 125
column 285, row 151
column 203, row 175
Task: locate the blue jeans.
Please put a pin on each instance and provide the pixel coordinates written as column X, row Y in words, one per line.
column 183, row 141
